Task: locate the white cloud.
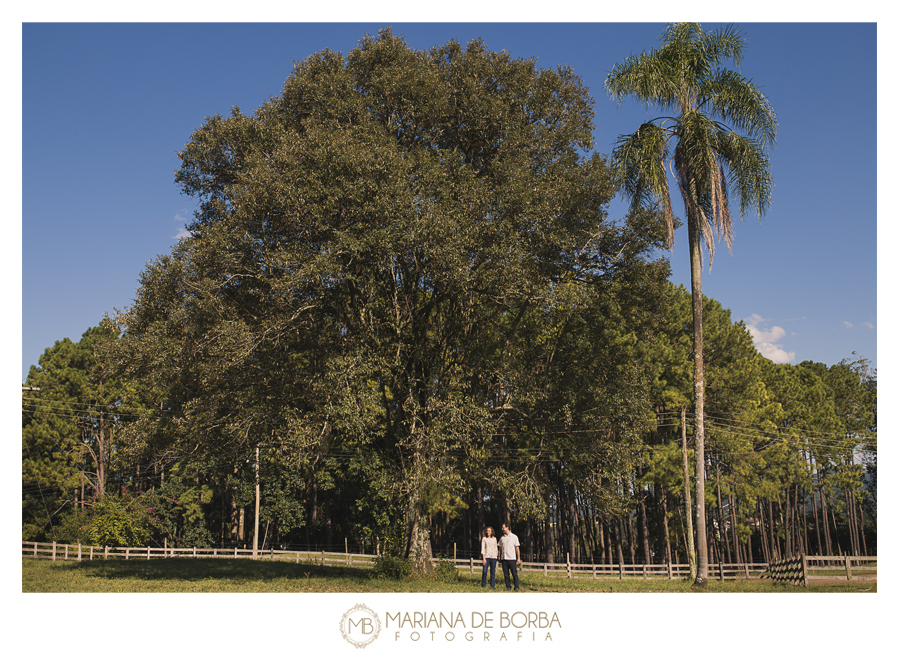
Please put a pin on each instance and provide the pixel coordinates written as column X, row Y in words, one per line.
column 849, row 325
column 765, row 339
column 868, row 325
column 181, row 217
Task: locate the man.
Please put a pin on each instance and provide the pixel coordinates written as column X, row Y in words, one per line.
column 510, row 556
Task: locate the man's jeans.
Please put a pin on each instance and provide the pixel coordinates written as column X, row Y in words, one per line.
column 507, row 566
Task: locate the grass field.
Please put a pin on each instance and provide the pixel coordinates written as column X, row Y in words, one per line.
column 226, row 575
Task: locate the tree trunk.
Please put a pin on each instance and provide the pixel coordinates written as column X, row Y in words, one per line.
column 689, row 528
column 617, row 530
column 570, row 495
column 699, row 397
column 825, row 531
column 734, row 527
column 548, row 541
column 723, row 536
column 645, row 531
column 662, row 526
column 418, row 542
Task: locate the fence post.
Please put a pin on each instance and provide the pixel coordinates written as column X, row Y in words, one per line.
column 54, row 551
column 92, row 553
column 471, row 565
column 148, row 551
column 805, row 577
column 847, row 564
column 127, row 551
column 669, row 569
column 79, row 551
column 105, row 552
column 323, row 557
column 622, row 569
column 568, row 567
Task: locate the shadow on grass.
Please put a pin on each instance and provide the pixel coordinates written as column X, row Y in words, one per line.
column 188, row 569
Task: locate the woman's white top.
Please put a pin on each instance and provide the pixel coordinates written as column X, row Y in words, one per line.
column 489, row 546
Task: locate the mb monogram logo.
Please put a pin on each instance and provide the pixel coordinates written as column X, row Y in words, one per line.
column 360, row 626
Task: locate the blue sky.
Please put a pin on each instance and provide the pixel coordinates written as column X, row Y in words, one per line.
column 105, row 107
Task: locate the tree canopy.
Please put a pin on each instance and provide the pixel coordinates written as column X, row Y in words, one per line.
column 375, row 248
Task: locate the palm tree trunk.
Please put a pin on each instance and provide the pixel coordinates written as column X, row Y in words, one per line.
column 688, row 529
column 699, row 434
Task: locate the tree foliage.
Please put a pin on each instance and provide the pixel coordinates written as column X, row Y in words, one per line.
column 375, row 247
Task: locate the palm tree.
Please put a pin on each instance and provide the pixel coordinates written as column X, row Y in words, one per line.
column 683, row 77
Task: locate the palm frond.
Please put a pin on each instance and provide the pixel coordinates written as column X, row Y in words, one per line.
column 726, row 43
column 644, row 77
column 639, row 161
column 748, row 165
column 741, row 103
column 710, row 161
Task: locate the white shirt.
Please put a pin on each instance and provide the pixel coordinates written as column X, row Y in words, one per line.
column 489, row 546
column 508, row 545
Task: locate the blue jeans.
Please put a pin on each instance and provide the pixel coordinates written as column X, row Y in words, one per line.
column 510, row 565
column 492, row 563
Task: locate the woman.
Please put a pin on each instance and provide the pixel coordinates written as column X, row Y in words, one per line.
column 488, row 556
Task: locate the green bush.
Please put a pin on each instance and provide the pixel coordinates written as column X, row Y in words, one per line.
column 387, row 566
column 119, row 521
column 445, row 571
column 71, row 528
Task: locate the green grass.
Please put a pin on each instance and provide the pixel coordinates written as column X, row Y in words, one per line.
column 227, row 575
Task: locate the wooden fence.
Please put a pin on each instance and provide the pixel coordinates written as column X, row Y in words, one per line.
column 806, row 569
column 54, row 551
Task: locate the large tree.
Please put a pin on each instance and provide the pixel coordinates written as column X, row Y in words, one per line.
column 708, row 105
column 73, row 409
column 369, row 246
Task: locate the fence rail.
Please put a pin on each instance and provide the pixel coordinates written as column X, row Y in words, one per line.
column 79, row 552
column 641, row 571
column 54, row 551
column 806, row 569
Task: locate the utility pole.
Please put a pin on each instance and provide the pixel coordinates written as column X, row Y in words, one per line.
column 256, row 521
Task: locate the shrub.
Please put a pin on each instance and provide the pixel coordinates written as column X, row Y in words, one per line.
column 387, row 566
column 445, row 571
column 119, row 521
column 72, row 528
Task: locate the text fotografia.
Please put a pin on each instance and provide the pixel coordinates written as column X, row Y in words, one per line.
column 479, row 626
